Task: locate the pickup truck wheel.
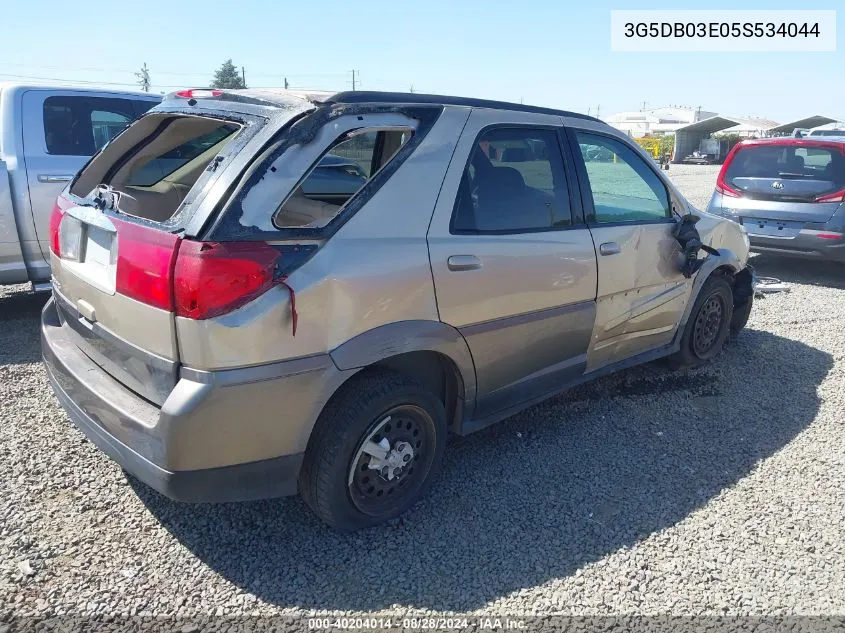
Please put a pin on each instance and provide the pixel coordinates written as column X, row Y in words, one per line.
column 708, row 325
column 374, row 451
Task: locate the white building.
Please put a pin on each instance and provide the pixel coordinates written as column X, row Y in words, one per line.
column 662, row 120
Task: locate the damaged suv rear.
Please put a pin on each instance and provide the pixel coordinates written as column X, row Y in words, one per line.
column 260, row 292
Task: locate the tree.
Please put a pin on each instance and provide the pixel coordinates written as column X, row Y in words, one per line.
column 227, row 76
column 143, row 76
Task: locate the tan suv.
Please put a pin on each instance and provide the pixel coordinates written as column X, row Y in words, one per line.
column 237, row 316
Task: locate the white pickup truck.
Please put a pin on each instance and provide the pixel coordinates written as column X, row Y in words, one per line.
column 47, row 133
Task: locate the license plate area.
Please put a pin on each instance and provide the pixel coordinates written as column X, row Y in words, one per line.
column 772, row 228
column 96, row 261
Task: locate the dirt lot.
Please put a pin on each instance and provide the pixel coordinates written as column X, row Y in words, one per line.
column 716, row 491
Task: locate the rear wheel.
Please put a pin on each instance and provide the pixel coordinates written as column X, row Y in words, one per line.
column 708, row 325
column 374, row 451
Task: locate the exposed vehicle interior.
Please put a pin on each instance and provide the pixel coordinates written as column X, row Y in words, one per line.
column 153, row 178
column 351, row 161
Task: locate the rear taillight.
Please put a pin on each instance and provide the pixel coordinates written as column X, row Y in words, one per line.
column 145, row 258
column 212, row 278
column 198, row 93
column 838, row 196
column 55, row 221
column 61, row 205
column 722, row 186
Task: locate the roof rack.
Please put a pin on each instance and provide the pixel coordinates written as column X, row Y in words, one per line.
column 365, row 96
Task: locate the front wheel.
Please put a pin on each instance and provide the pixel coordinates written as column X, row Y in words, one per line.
column 741, row 315
column 374, row 451
column 708, row 325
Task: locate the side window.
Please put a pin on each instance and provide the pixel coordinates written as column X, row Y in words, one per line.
column 624, row 188
column 514, row 181
column 80, row 126
column 340, row 172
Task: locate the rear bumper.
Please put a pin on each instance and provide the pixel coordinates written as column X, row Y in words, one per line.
column 807, row 244
column 195, row 425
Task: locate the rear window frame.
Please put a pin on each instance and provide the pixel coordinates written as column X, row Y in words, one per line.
column 250, row 126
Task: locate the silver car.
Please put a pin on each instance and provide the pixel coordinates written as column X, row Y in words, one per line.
column 230, row 331
column 788, row 193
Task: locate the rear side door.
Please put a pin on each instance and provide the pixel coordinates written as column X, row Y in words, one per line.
column 61, row 131
column 641, row 293
column 513, row 263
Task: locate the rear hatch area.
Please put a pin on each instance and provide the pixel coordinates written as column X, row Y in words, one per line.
column 776, row 188
column 115, row 237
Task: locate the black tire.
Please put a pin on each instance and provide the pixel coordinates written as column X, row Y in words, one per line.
column 359, row 411
column 708, row 326
column 740, row 316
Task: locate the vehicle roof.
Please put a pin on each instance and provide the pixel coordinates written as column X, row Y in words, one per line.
column 365, row 96
column 282, row 97
column 20, row 86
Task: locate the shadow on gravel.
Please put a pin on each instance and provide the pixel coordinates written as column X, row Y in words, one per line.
column 20, row 320
column 800, row 271
column 532, row 499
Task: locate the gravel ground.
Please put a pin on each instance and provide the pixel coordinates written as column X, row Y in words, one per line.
column 715, row 491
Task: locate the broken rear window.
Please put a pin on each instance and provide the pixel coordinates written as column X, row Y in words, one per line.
column 149, row 172
column 154, row 165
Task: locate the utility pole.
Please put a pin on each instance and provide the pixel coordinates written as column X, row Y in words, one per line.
column 598, row 109
column 286, row 83
column 243, row 75
column 354, row 84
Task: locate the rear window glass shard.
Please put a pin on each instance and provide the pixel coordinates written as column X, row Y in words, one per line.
column 319, row 168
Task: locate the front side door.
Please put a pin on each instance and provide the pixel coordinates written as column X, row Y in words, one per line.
column 641, row 293
column 513, row 263
column 61, row 131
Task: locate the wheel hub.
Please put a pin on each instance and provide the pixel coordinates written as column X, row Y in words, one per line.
column 389, row 461
column 392, row 460
column 706, row 328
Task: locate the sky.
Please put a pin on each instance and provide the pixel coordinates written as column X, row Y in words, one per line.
column 542, row 52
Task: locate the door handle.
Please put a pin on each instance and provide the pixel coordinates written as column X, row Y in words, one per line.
column 463, row 262
column 609, row 248
column 55, row 177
